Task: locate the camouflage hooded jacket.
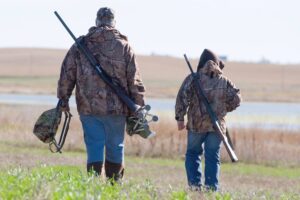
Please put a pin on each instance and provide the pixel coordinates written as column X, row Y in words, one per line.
column 93, row 95
column 221, row 93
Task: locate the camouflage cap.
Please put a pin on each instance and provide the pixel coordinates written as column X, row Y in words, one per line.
column 105, row 16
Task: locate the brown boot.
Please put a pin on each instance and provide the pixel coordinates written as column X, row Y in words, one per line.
column 114, row 171
column 94, row 168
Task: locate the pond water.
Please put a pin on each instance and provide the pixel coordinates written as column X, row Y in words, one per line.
column 249, row 114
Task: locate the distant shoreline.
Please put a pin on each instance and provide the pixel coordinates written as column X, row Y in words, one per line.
column 267, row 115
column 36, row 71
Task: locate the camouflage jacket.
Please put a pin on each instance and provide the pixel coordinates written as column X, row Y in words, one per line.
column 93, row 95
column 221, row 93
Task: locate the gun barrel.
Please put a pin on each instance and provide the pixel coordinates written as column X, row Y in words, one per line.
column 65, row 25
column 107, row 79
column 189, row 64
column 213, row 117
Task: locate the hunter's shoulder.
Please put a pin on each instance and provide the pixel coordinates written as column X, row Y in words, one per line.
column 72, row 52
column 187, row 81
column 188, row 78
column 224, row 78
column 104, row 34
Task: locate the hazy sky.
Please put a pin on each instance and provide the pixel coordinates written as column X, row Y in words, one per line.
column 246, row 30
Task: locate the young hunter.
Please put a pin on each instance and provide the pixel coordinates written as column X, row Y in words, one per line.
column 223, row 97
column 102, row 113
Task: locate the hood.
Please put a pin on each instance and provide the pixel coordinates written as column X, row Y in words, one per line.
column 206, row 56
column 211, row 69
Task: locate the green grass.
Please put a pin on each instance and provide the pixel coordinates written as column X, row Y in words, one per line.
column 145, row 178
column 230, row 168
column 65, row 182
column 69, row 182
column 236, row 168
column 261, row 170
column 72, row 182
column 36, row 149
column 157, row 161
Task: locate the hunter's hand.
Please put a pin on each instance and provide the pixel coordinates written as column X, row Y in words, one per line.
column 180, row 125
column 64, row 109
column 64, row 106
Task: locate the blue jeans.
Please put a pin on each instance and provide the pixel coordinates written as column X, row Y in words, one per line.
column 212, row 145
column 104, row 131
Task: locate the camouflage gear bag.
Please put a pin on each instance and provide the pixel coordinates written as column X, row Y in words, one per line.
column 140, row 124
column 47, row 125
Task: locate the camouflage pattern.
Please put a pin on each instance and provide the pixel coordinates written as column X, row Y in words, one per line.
column 93, row 95
column 47, row 124
column 105, row 16
column 138, row 126
column 106, row 12
column 221, row 93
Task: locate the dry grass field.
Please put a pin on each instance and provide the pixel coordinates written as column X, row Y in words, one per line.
column 257, row 146
column 36, row 71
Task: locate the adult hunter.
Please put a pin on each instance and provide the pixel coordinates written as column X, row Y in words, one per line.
column 223, row 97
column 102, row 113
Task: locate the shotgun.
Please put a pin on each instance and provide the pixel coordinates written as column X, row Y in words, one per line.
column 137, row 124
column 214, row 119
